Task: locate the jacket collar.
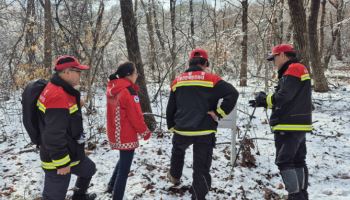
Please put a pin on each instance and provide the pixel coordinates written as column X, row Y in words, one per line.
column 116, row 85
column 194, row 68
column 284, row 68
column 57, row 80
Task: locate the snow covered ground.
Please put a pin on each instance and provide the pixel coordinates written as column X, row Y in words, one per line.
column 328, row 155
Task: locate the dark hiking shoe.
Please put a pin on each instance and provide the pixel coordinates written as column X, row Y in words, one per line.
column 172, row 179
column 90, row 196
column 306, row 194
column 194, row 196
column 296, row 196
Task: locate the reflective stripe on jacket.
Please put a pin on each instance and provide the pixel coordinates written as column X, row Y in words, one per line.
column 194, row 93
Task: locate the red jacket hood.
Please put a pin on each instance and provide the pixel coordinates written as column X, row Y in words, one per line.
column 117, row 85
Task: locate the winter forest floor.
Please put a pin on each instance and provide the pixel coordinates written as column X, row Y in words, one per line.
column 328, row 155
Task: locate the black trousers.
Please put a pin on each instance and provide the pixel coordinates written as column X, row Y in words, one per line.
column 290, row 159
column 120, row 174
column 55, row 186
column 290, row 150
column 202, row 157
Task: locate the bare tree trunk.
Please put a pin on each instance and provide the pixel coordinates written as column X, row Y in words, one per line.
column 281, row 22
column 192, row 23
column 173, row 37
column 321, row 84
column 150, row 31
column 329, row 52
column 340, row 17
column 298, row 18
column 73, row 9
column 48, row 36
column 215, row 59
column 135, row 9
column 29, row 38
column 322, row 23
column 201, row 18
column 160, row 39
column 156, row 24
column 244, row 59
column 274, row 24
column 339, row 5
column 92, row 55
column 289, row 33
column 134, row 55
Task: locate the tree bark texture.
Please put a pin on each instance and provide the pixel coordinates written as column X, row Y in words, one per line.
column 322, row 23
column 150, row 30
column 321, row 84
column 47, row 36
column 244, row 59
column 192, row 23
column 298, row 18
column 29, row 38
column 173, row 38
column 134, row 55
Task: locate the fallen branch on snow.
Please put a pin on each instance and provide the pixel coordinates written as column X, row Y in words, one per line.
column 28, row 150
column 256, row 138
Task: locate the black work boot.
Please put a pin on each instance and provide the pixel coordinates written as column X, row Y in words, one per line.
column 91, row 196
column 80, row 189
column 194, row 195
column 172, row 179
column 306, row 194
column 296, row 196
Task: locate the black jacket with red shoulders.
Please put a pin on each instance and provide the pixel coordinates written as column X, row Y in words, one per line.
column 60, row 124
column 193, row 94
column 291, row 103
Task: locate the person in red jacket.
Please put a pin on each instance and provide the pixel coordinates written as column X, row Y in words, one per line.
column 125, row 123
column 62, row 133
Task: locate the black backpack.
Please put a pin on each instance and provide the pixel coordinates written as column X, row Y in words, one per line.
column 30, row 111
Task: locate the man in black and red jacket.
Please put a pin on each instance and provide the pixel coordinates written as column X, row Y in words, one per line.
column 290, row 119
column 62, row 133
column 192, row 114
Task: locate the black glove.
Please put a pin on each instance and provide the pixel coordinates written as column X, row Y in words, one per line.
column 260, row 100
column 252, row 103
